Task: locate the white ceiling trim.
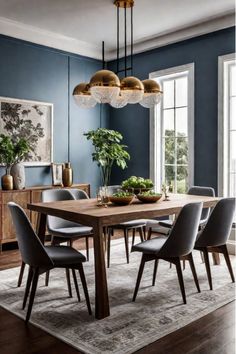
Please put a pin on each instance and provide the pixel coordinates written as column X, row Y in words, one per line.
column 54, row 40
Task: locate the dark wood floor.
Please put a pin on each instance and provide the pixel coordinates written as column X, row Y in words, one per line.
column 212, row 334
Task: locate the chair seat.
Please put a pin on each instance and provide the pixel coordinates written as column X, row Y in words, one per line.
column 64, row 255
column 74, row 231
column 152, row 246
column 166, row 223
column 131, row 223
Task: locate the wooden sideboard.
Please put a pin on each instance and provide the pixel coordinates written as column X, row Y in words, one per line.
column 23, row 197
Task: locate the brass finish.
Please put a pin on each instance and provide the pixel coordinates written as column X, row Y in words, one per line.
column 151, row 86
column 67, row 175
column 105, row 78
column 131, row 83
column 124, row 3
column 7, row 182
column 82, row 89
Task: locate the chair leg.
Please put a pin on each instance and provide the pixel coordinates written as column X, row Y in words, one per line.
column 84, row 284
column 22, row 268
column 140, row 230
column 155, row 272
column 32, row 293
column 108, row 247
column 68, row 282
column 126, row 244
column 76, row 284
column 208, row 269
column 149, row 233
column 133, row 236
column 28, row 285
column 140, row 273
column 87, row 248
column 228, row 262
column 184, row 265
column 181, row 280
column 47, row 278
column 193, row 269
column 144, row 233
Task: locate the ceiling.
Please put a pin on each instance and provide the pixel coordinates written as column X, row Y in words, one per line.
column 85, row 23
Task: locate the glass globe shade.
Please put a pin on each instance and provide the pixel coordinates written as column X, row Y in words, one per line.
column 82, row 96
column 104, row 86
column 152, row 93
column 119, row 102
column 132, row 89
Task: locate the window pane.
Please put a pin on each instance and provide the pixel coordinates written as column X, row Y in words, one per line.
column 168, row 122
column 232, row 184
column 168, row 94
column 233, row 113
column 181, row 121
column 182, row 151
column 233, row 80
column 181, row 92
column 169, row 150
column 170, row 176
column 233, row 151
column 182, row 179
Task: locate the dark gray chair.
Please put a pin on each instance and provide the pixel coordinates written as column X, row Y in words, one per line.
column 41, row 259
column 177, row 246
column 214, row 236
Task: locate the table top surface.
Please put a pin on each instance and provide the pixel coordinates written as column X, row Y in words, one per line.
column 86, row 210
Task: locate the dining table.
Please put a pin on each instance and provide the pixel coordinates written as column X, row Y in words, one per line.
column 89, row 212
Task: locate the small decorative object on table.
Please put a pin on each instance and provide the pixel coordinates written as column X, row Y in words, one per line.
column 137, row 185
column 165, row 190
column 122, row 198
column 102, row 196
column 67, row 175
column 57, row 169
column 149, row 197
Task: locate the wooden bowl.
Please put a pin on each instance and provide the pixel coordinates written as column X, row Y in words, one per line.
column 122, row 200
column 137, row 190
column 149, row 199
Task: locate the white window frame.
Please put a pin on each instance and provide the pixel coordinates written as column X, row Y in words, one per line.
column 156, row 163
column 223, row 124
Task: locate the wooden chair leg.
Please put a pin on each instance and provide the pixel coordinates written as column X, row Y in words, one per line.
column 140, row 273
column 108, row 247
column 193, row 269
column 181, row 280
column 155, row 272
column 32, row 293
column 149, row 233
column 208, row 269
column 68, row 282
column 87, row 248
column 133, row 236
column 184, row 264
column 228, row 262
column 76, row 284
column 22, row 268
column 47, row 278
column 126, row 236
column 28, row 285
column 84, row 284
column 140, row 230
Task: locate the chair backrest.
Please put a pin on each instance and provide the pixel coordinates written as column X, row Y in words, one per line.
column 56, row 195
column 183, row 234
column 31, row 249
column 218, row 227
column 205, row 191
column 78, row 193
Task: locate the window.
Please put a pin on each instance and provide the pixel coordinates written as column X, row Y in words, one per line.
column 172, row 130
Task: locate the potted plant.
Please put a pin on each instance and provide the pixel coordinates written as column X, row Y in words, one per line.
column 12, row 152
column 108, row 151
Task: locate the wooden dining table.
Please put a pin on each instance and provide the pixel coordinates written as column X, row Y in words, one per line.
column 87, row 212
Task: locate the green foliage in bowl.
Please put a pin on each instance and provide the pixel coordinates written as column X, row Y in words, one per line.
column 122, row 194
column 150, row 194
column 137, row 182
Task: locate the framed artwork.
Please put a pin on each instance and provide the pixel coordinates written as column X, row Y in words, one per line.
column 57, row 169
column 33, row 121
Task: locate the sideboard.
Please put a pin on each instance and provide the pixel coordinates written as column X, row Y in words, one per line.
column 23, row 197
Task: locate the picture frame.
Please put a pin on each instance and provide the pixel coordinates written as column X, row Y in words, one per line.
column 33, row 121
column 57, row 169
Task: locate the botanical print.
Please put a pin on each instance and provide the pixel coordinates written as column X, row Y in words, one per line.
column 32, row 121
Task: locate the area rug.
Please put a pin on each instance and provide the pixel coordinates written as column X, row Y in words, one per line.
column 157, row 311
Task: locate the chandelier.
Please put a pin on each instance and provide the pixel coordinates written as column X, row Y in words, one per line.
column 105, row 86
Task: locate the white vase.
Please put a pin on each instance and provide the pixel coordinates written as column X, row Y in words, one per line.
column 18, row 174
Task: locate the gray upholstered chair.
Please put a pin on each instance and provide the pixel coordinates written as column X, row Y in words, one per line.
column 177, row 246
column 214, row 236
column 163, row 226
column 41, row 259
column 132, row 225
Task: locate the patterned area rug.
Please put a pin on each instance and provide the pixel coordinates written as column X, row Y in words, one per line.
column 157, row 311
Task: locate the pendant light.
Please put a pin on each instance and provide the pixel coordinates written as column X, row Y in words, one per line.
column 152, row 93
column 82, row 96
column 132, row 89
column 104, row 86
column 119, row 102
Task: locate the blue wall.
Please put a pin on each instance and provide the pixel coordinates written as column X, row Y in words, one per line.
column 33, row 72
column 133, row 120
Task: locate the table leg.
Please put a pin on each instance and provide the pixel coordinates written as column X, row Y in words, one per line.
column 216, row 258
column 41, row 226
column 102, row 309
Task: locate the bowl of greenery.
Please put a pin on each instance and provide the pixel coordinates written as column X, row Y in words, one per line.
column 149, row 197
column 122, row 198
column 137, row 184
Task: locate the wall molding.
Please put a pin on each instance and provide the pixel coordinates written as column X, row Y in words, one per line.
column 54, row 40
